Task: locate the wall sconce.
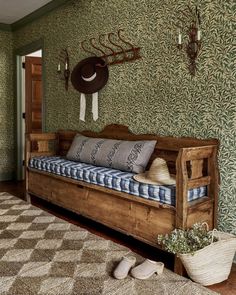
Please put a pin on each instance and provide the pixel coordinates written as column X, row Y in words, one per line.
column 63, row 67
column 193, row 45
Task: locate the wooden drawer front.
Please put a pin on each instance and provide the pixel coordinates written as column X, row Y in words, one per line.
column 68, row 195
column 107, row 209
column 137, row 219
column 40, row 185
column 150, row 221
column 56, row 191
column 132, row 217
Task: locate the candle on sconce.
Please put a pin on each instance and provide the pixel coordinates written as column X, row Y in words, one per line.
column 63, row 70
column 198, row 35
column 180, row 38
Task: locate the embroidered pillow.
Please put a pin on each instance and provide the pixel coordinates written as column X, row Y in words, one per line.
column 130, row 156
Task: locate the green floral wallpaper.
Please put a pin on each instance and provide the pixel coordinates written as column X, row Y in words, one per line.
column 156, row 93
column 6, row 107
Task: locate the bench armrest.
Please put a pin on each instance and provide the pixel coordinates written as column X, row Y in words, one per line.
column 203, row 171
column 41, row 144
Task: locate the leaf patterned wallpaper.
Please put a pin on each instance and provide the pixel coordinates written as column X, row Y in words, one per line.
column 6, row 106
column 155, row 94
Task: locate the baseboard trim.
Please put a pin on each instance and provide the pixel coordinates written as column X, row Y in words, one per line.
column 5, row 27
column 6, row 176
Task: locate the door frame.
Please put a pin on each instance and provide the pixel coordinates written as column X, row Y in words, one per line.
column 18, row 53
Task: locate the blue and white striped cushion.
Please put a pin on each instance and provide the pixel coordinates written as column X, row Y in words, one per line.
column 111, row 178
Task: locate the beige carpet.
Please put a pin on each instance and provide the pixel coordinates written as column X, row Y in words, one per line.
column 42, row 254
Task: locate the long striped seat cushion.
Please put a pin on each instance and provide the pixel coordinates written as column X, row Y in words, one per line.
column 111, row 178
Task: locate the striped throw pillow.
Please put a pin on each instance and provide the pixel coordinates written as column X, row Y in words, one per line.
column 130, row 156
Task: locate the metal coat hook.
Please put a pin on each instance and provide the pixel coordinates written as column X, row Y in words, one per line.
column 117, row 45
column 104, row 45
column 111, row 57
column 108, row 47
column 124, row 41
column 86, row 50
column 99, row 49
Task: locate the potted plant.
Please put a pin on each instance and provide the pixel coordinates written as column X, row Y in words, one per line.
column 206, row 255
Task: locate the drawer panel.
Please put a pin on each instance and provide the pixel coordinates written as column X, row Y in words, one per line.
column 65, row 194
column 131, row 217
column 68, row 195
column 108, row 209
column 122, row 214
column 40, row 185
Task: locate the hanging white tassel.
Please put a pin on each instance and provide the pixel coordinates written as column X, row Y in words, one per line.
column 95, row 106
column 82, row 107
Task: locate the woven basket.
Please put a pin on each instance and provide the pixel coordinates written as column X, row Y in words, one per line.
column 213, row 263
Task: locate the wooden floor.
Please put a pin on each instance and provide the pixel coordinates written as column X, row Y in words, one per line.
column 17, row 188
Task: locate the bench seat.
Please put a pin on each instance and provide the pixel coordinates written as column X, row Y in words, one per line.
column 111, row 178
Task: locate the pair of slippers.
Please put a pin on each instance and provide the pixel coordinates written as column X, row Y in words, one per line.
column 143, row 271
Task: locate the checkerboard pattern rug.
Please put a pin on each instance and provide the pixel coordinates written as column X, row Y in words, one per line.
column 42, row 254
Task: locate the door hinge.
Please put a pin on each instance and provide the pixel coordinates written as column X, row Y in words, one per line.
column 23, row 65
column 23, row 162
column 23, row 115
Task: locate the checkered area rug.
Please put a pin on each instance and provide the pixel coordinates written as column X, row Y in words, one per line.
column 42, row 254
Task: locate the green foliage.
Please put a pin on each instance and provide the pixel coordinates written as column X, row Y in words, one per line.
column 186, row 241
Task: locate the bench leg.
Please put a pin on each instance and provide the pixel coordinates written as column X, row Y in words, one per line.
column 28, row 198
column 178, row 267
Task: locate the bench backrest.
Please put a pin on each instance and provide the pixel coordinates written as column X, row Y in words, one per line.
column 167, row 147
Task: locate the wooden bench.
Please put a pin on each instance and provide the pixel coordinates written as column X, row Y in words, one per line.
column 194, row 161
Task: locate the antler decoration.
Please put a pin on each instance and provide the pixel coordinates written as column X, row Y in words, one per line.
column 64, row 60
column 193, row 45
column 114, row 56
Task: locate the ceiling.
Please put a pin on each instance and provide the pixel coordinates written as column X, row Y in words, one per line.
column 13, row 10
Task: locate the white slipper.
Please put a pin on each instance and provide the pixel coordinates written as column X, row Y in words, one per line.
column 146, row 269
column 124, row 267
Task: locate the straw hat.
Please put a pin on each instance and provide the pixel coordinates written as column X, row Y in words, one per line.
column 157, row 174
